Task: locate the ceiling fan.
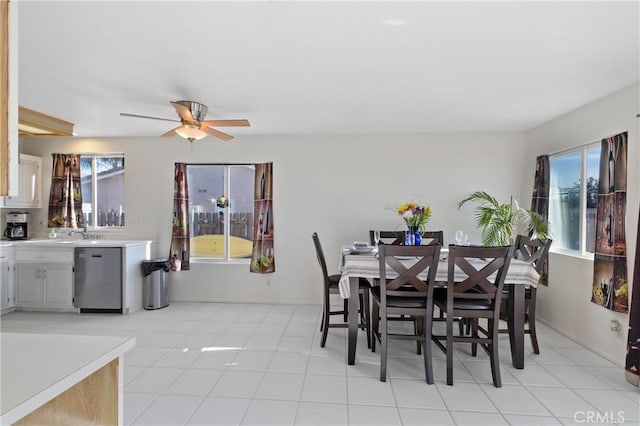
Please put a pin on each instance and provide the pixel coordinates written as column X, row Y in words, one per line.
column 193, row 125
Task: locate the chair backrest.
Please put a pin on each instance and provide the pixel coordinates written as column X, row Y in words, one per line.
column 432, row 238
column 481, row 272
column 407, row 262
column 388, row 237
column 534, row 251
column 321, row 261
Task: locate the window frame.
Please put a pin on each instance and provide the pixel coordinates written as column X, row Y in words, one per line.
column 94, row 191
column 582, row 252
column 227, row 218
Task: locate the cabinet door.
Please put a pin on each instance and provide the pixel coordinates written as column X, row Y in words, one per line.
column 58, row 286
column 29, row 285
column 28, row 183
column 4, row 283
column 30, row 180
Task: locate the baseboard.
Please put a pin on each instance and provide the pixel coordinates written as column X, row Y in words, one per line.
column 577, row 341
column 249, row 301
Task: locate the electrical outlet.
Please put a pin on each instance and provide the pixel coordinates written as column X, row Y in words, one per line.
column 615, row 325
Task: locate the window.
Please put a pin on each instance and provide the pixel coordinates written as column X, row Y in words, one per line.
column 102, row 179
column 573, row 198
column 221, row 210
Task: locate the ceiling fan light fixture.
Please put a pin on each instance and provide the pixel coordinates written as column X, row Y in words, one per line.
column 191, row 132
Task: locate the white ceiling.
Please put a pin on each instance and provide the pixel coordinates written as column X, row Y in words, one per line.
column 302, row 67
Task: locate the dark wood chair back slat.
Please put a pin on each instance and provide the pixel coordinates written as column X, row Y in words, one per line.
column 534, row 251
column 388, row 237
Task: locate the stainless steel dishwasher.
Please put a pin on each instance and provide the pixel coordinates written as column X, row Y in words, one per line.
column 98, row 279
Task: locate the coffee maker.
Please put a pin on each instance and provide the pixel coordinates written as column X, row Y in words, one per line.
column 17, row 226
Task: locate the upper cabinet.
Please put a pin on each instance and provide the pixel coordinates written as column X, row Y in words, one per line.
column 29, row 184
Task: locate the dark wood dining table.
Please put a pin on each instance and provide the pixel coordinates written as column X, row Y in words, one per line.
column 354, row 266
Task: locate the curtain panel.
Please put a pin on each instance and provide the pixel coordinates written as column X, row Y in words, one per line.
column 65, row 195
column 540, row 202
column 262, row 256
column 632, row 362
column 610, row 286
column 180, row 239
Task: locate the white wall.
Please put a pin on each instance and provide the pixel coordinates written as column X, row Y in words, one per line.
column 565, row 304
column 338, row 186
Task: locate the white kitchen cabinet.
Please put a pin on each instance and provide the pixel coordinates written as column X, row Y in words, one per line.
column 58, row 286
column 29, row 184
column 29, row 286
column 4, row 282
column 44, row 285
column 43, row 277
column 6, row 279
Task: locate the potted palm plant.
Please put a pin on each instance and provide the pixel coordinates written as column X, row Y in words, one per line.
column 500, row 222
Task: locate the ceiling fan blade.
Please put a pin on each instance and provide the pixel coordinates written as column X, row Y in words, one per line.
column 124, row 114
column 226, row 123
column 216, row 133
column 171, row 132
column 183, row 111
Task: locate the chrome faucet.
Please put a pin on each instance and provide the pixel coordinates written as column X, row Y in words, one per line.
column 83, row 232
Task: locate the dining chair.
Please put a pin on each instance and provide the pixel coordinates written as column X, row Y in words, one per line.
column 407, row 294
column 536, row 252
column 432, row 237
column 397, row 238
column 330, row 286
column 388, row 237
column 475, row 280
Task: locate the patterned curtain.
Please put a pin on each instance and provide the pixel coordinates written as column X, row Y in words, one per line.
column 262, row 257
column 610, row 285
column 540, row 202
column 65, row 196
column 179, row 252
column 632, row 364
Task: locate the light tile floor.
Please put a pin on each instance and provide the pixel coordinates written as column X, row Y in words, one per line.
column 261, row 364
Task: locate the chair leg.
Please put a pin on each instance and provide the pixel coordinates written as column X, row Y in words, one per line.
column 532, row 322
column 418, row 328
column 449, row 350
column 322, row 321
column 375, row 325
column 428, row 364
column 383, row 348
column 346, row 310
column 495, row 357
column 474, row 333
column 325, row 325
column 366, row 308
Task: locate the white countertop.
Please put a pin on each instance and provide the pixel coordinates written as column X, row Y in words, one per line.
column 38, row 367
column 61, row 242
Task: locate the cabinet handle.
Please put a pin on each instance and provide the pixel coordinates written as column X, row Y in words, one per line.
column 38, row 273
column 44, row 274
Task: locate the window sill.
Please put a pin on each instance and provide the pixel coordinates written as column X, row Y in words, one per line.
column 572, row 253
column 204, row 260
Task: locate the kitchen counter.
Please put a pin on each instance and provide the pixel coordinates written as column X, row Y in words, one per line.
column 62, row 242
column 43, row 376
column 37, row 289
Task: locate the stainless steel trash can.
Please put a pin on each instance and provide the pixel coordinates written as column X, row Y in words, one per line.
column 154, row 285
